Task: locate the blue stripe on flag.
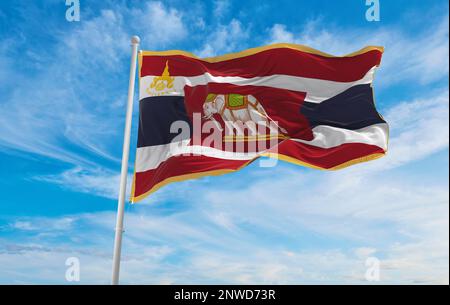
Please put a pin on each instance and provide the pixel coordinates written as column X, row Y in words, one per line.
column 156, row 115
column 351, row 109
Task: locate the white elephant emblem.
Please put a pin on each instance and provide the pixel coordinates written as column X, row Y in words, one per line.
column 238, row 108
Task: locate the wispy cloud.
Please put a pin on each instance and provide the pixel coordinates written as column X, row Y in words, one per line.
column 45, row 114
column 315, row 236
column 159, row 25
column 225, row 38
column 97, row 181
column 419, row 128
column 221, row 7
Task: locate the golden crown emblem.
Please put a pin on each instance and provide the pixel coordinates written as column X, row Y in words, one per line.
column 165, row 81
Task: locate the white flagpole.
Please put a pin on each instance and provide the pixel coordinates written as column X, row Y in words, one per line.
column 124, row 170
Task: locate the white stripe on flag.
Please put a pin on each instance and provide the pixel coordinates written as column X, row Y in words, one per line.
column 317, row 90
column 328, row 136
column 151, row 157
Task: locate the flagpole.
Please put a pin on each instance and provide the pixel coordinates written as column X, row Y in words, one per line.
column 124, row 170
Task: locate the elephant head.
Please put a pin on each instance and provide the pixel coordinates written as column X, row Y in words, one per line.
column 212, row 105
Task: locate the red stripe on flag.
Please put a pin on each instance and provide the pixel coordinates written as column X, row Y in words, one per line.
column 282, row 61
column 327, row 158
column 181, row 168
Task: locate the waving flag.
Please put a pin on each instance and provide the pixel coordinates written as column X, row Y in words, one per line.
column 215, row 115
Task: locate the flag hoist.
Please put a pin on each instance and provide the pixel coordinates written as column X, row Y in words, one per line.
column 124, row 169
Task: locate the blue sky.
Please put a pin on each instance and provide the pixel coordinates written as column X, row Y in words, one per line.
column 62, row 101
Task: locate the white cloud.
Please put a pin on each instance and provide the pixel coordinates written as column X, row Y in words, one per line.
column 365, row 252
column 323, row 238
column 221, row 7
column 44, row 114
column 104, row 183
column 279, row 33
column 419, row 128
column 370, row 210
column 41, row 225
column 160, row 25
column 226, row 38
column 96, row 181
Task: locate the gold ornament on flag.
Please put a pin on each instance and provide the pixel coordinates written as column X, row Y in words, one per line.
column 165, row 81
